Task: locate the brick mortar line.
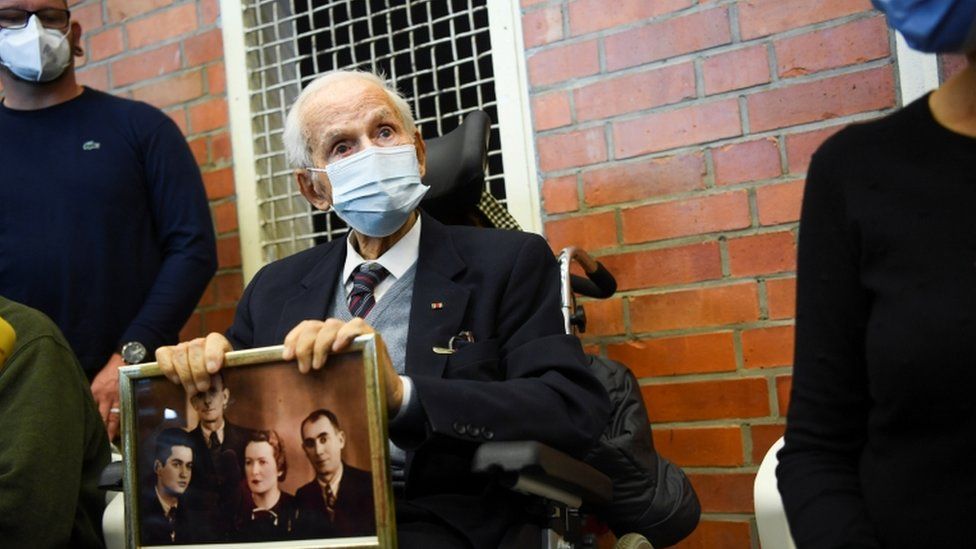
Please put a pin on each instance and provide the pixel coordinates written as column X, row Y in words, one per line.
column 700, row 238
column 738, row 352
column 753, row 202
column 772, row 370
column 586, row 80
column 723, row 256
column 735, row 30
column 764, row 298
column 748, row 373
column 746, row 440
column 718, row 376
column 699, row 72
column 773, row 396
column 708, row 179
column 690, row 332
column 586, row 210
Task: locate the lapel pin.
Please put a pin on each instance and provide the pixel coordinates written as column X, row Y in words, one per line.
column 437, row 305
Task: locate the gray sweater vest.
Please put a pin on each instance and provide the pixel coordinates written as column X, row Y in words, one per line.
column 390, row 316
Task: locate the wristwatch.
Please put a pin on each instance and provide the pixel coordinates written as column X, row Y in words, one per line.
column 133, row 352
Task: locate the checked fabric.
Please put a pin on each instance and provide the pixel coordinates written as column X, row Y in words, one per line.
column 364, row 280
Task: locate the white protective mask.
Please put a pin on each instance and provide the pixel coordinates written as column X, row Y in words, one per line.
column 34, row 53
column 376, row 190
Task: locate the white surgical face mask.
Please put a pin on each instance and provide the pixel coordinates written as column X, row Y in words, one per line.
column 34, row 53
column 375, row 191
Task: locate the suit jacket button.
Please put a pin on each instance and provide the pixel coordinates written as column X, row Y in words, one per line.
column 474, row 431
column 487, row 433
column 460, row 428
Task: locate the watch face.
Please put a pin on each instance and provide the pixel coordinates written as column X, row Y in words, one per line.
column 133, row 352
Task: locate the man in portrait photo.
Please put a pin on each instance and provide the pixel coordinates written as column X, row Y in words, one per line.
column 338, row 502
column 218, row 446
column 165, row 516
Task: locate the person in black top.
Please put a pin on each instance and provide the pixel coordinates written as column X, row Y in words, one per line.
column 881, row 429
column 104, row 221
column 267, row 513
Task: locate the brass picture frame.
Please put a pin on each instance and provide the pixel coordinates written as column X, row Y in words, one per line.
column 262, row 393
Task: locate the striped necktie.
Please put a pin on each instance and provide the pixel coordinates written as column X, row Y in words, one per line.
column 364, row 280
column 330, row 501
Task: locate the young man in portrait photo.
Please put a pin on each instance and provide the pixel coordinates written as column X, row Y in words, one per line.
column 338, row 502
column 165, row 516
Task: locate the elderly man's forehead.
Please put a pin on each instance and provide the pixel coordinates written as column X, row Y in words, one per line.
column 346, row 96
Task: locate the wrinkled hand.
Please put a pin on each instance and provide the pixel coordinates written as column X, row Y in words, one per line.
column 191, row 363
column 105, row 390
column 311, row 341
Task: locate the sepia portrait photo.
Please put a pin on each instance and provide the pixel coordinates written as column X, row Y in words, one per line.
column 267, row 455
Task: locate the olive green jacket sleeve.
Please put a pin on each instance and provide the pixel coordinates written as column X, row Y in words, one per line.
column 53, row 445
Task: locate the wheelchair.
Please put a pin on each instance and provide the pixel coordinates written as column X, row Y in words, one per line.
column 646, row 499
column 567, row 496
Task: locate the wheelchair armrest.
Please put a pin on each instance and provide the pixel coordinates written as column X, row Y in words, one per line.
column 534, row 468
column 111, row 477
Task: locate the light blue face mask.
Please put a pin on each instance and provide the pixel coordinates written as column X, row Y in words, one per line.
column 376, row 190
column 935, row 26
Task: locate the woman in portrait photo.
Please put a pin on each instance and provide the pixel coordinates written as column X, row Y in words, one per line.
column 266, row 513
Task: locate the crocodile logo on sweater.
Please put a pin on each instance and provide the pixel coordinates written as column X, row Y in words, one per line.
column 91, row 145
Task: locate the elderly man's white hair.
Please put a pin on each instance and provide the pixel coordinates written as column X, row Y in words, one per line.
column 298, row 152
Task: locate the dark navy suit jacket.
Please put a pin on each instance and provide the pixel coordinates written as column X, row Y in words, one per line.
column 354, row 511
column 523, row 378
column 217, row 485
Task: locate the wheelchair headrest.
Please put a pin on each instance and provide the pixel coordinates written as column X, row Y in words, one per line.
column 456, row 165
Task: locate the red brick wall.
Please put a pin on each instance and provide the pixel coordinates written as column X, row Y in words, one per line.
column 169, row 53
column 673, row 138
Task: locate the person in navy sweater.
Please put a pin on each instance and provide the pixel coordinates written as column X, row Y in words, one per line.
column 104, row 222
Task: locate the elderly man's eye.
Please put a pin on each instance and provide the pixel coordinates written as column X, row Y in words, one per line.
column 341, row 149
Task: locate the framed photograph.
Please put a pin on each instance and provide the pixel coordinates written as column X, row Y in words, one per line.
column 268, row 457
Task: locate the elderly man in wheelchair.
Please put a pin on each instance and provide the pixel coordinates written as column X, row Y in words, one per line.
column 471, row 319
